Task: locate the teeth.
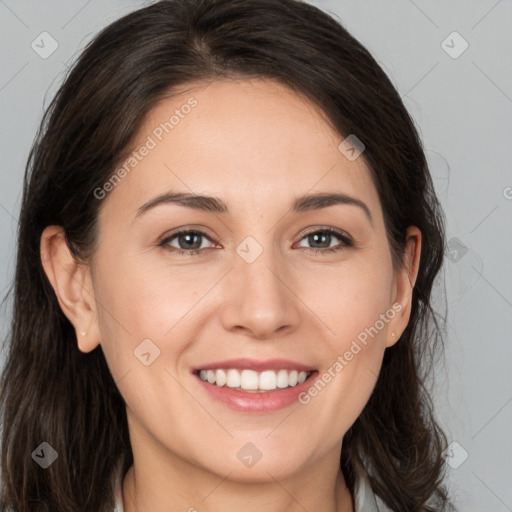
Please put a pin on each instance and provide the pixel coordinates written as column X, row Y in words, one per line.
column 220, row 377
column 267, row 380
column 283, row 380
column 233, row 380
column 249, row 380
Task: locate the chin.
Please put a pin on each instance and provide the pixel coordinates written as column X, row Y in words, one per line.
column 248, row 464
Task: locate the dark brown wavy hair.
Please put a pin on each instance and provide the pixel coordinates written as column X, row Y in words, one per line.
column 51, row 391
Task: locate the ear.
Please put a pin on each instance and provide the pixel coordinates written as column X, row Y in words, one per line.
column 72, row 285
column 404, row 282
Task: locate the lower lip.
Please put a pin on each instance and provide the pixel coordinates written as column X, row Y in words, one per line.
column 257, row 402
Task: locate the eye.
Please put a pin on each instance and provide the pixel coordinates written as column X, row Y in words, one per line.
column 324, row 236
column 189, row 241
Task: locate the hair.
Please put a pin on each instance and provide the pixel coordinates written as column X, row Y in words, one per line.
column 52, row 392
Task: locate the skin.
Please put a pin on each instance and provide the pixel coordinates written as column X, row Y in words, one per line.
column 256, row 145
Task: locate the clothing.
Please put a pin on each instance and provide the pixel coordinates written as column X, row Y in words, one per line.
column 364, row 498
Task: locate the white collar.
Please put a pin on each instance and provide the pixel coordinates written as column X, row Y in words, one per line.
column 364, row 497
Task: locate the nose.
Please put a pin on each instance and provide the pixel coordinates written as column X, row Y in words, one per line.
column 260, row 300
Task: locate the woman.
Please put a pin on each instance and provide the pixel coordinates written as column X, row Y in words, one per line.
column 177, row 342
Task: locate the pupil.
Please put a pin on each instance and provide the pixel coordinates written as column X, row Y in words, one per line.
column 315, row 236
column 189, row 236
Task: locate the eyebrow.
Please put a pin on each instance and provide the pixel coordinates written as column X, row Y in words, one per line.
column 306, row 203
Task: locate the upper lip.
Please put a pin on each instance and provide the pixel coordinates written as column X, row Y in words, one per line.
column 255, row 365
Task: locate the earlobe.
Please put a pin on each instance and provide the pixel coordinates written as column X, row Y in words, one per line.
column 72, row 285
column 405, row 281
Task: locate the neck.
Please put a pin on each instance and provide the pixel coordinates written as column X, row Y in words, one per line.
column 206, row 492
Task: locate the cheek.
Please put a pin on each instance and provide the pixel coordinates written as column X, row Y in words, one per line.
column 351, row 303
column 355, row 309
column 129, row 309
column 138, row 301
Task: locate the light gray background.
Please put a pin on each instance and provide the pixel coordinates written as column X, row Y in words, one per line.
column 463, row 107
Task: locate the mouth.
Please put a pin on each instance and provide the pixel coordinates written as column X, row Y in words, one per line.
column 250, row 386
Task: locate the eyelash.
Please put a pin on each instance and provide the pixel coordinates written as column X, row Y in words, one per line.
column 346, row 241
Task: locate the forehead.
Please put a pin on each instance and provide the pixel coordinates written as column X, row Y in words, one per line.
column 254, row 143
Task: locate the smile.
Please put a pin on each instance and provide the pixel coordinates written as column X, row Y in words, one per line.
column 253, row 385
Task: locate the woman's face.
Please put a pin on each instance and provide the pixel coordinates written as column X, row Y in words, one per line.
column 255, row 296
